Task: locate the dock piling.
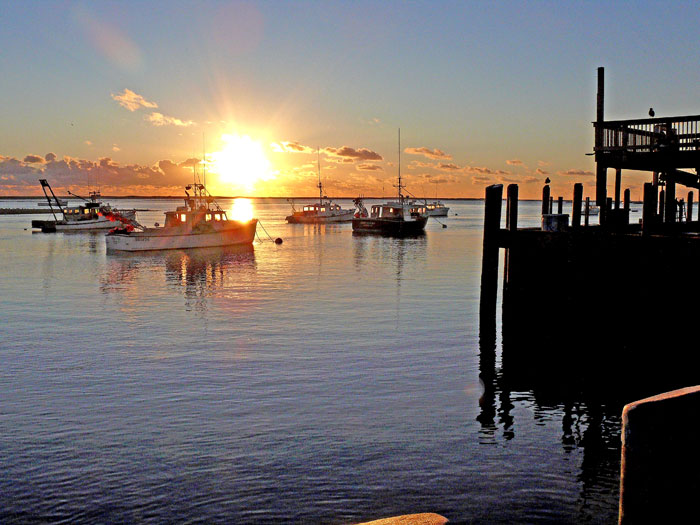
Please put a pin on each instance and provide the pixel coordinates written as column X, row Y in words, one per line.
column 489, row 258
column 576, row 205
column 689, row 216
column 545, row 199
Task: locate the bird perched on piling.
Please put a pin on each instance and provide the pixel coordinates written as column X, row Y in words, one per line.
column 547, row 181
column 651, row 112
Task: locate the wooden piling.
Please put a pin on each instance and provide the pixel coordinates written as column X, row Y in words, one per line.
column 551, row 204
column 511, row 224
column 489, row 258
column 649, row 208
column 576, row 205
column 671, row 208
column 662, row 205
column 588, row 211
column 659, row 480
column 545, row 199
column 618, row 183
column 627, row 201
column 601, row 170
column 560, row 205
column 689, row 216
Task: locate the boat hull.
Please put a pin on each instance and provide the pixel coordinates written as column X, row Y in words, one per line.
column 157, row 239
column 394, row 227
column 320, row 219
column 440, row 212
column 69, row 226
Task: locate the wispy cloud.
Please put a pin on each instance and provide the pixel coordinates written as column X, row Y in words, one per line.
column 291, row 147
column 348, row 154
column 369, row 167
column 132, row 101
column 158, row 119
column 576, row 173
column 429, row 153
column 514, row 162
column 34, row 159
column 540, row 171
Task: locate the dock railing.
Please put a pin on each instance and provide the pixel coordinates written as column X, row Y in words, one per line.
column 650, row 134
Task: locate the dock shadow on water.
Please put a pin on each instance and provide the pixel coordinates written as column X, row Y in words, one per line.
column 582, row 340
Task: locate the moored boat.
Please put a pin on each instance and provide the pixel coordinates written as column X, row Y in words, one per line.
column 92, row 215
column 437, row 209
column 323, row 211
column 399, row 218
column 200, row 223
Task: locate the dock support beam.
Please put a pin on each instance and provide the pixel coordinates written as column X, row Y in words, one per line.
column 576, row 205
column 545, row 199
column 489, row 258
column 671, row 212
column 600, row 169
column 689, row 216
column 649, row 208
column 618, row 183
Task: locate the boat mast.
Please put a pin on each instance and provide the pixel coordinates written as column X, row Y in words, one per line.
column 400, row 196
column 320, row 186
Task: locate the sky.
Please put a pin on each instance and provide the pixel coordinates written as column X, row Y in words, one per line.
column 259, row 98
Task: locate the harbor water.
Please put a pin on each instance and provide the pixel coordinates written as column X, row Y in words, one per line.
column 328, row 379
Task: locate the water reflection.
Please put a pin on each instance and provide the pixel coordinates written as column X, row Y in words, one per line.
column 198, row 272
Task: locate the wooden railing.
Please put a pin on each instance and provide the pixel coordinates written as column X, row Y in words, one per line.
column 651, row 134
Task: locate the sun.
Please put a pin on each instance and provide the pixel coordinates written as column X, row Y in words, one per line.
column 242, row 210
column 241, row 163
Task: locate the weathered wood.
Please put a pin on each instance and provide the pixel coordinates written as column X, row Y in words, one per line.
column 551, row 204
column 649, row 208
column 627, row 200
column 425, row 518
column 588, row 211
column 671, row 207
column 689, row 216
column 662, row 205
column 511, row 224
column 489, row 258
column 560, row 205
column 659, row 467
column 545, row 199
column 576, row 205
column 618, row 183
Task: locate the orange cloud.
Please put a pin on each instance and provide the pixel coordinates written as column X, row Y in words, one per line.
column 576, row 173
column 429, row 153
column 34, row 159
column 291, row 147
column 349, row 154
column 369, row 167
column 514, row 162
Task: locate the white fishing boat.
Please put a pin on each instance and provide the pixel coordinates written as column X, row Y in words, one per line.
column 92, row 215
column 323, row 211
column 437, row 209
column 200, row 223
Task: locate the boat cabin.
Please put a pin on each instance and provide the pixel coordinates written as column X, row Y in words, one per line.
column 316, row 209
column 396, row 211
column 185, row 216
column 89, row 210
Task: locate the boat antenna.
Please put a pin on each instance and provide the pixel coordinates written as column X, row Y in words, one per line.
column 400, row 196
column 204, row 157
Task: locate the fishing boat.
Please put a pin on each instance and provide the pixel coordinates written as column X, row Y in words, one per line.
column 323, row 211
column 437, row 209
column 397, row 218
column 200, row 223
column 92, row 215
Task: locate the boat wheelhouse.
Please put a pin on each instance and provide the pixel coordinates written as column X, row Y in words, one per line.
column 200, row 223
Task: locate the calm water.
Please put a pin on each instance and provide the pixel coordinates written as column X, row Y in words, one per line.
column 330, row 379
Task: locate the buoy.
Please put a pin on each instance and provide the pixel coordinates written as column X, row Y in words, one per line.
column 278, row 240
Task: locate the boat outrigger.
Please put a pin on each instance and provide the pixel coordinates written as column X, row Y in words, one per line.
column 200, row 223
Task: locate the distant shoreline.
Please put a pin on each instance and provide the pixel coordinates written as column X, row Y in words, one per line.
column 180, row 197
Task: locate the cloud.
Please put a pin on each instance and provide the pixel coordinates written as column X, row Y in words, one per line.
column 349, row 154
column 88, row 143
column 158, row 119
column 369, row 167
column 429, row 153
column 540, row 171
column 576, row 173
column 481, row 179
column 132, row 101
column 34, row 159
column 291, row 147
column 50, row 157
column 484, row 171
column 115, row 148
column 442, row 166
column 514, row 162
